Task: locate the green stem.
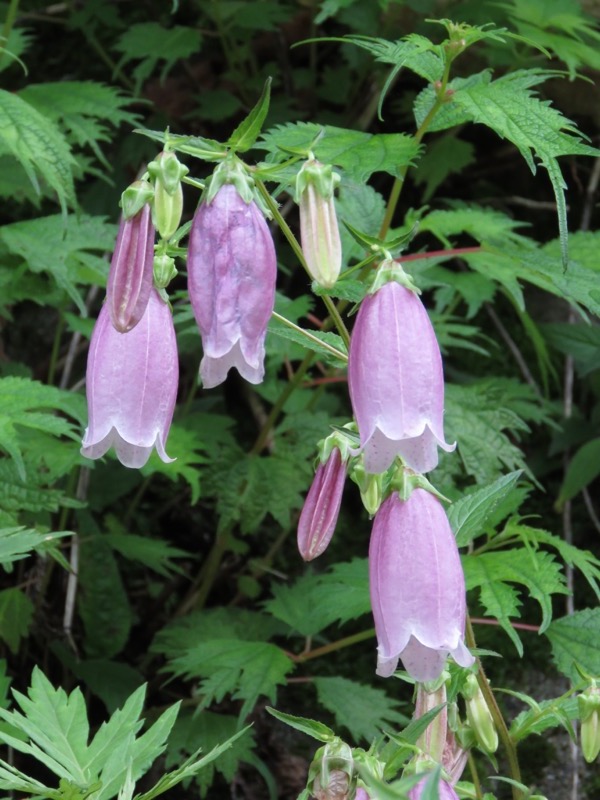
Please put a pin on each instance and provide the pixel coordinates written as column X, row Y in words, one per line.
column 277, row 408
column 420, row 133
column 9, row 22
column 56, row 347
column 475, row 776
column 340, row 644
column 503, row 732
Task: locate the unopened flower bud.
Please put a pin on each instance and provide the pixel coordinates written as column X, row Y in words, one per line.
column 331, row 773
column 167, row 170
column 164, row 270
column 371, row 488
column 135, row 197
column 479, row 716
column 167, row 210
column 319, row 231
column 589, row 714
column 130, row 276
column 321, row 508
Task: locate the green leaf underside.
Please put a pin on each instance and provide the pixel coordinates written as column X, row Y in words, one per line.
column 576, row 640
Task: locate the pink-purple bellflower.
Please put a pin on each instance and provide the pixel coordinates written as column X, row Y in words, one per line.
column 130, row 275
column 396, row 381
column 417, row 587
column 321, row 508
column 445, row 791
column 132, row 386
column 232, row 269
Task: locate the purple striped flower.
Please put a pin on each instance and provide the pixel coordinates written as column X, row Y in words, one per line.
column 321, row 508
column 231, row 276
column 396, row 381
column 132, row 386
column 130, row 276
column 417, row 588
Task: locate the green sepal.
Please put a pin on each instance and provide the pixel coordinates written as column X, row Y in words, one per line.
column 375, row 244
column 169, row 170
column 322, row 176
column 230, row 170
column 311, row 727
column 164, row 270
column 390, row 270
column 135, row 197
column 247, row 132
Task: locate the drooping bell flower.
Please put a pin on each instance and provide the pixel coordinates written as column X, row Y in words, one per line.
column 231, row 277
column 319, row 230
column 322, row 506
column 396, row 381
column 130, row 275
column 417, row 587
column 132, row 386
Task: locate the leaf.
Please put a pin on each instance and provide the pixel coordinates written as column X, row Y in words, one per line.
column 361, row 709
column 21, row 404
column 16, row 614
column 575, row 639
column 484, row 225
column 65, row 254
column 19, row 542
column 345, row 589
column 310, row 727
column 364, row 208
column 444, row 157
column 414, row 51
column 38, row 146
column 111, row 681
column 247, row 132
column 360, row 154
column 582, row 469
column 301, row 605
column 156, row 554
column 187, row 446
column 247, row 670
column 469, row 515
column 150, row 43
column 546, row 715
column 580, row 341
column 311, row 340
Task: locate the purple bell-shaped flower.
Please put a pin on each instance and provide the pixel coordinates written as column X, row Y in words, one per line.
column 417, row 587
column 232, row 270
column 396, row 381
column 132, row 386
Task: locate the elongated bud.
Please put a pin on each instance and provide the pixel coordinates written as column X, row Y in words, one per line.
column 589, row 714
column 321, row 508
column 331, row 774
column 371, row 488
column 167, row 206
column 130, row 276
column 135, row 197
column 433, row 741
column 319, row 231
column 479, row 716
column 168, row 170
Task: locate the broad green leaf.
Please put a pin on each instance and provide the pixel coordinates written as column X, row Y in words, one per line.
column 469, row 515
column 57, row 726
column 71, row 253
column 446, row 156
column 19, row 542
column 310, row 727
column 11, row 49
column 187, row 446
column 361, row 709
column 576, row 640
column 548, row 714
column 103, row 603
column 206, row 730
column 156, row 554
column 16, row 614
column 38, row 146
column 578, row 340
column 18, row 494
column 149, row 43
column 363, row 207
column 345, row 588
column 316, row 341
column 360, row 154
column 582, row 469
column 303, row 605
column 113, row 734
column 247, row 670
column 247, row 132
column 111, row 681
column 415, row 52
column 484, row 225
column 21, row 404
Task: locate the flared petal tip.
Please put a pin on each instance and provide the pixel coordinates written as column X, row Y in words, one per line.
column 133, row 456
column 418, row 451
column 214, row 369
column 386, row 665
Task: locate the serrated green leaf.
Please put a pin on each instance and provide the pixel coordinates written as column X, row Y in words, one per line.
column 310, row 727
column 549, row 714
column 188, row 448
column 38, row 146
column 484, row 225
column 18, row 42
column 21, row 401
column 65, row 252
column 415, row 52
column 345, row 587
column 301, row 605
column 576, row 640
column 444, row 157
column 16, row 614
column 582, row 469
column 360, row 154
column 468, row 515
column 316, row 341
column 156, row 554
column 19, row 542
column 578, row 340
column 361, row 709
column 248, row 131
column 363, row 207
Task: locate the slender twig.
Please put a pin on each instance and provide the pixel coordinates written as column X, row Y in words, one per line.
column 339, row 644
column 514, row 349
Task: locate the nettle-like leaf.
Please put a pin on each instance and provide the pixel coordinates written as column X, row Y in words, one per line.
column 360, row 154
column 469, row 515
column 485, row 225
column 415, row 52
column 361, row 709
column 23, row 403
column 510, row 108
column 575, row 641
column 29, row 493
column 38, row 146
column 84, row 109
column 16, row 615
column 481, row 414
column 495, row 572
column 445, row 156
column 149, row 43
column 19, row 542
column 577, row 340
column 156, row 554
column 364, row 208
column 18, row 42
column 188, row 448
column 71, row 251
column 543, row 716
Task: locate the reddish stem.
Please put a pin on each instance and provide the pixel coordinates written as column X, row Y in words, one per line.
column 522, row 625
column 454, row 251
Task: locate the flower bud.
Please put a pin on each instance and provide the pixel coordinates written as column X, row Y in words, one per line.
column 130, row 275
column 321, row 508
column 589, row 714
column 167, row 207
column 135, row 197
column 433, row 740
column 164, row 270
column 479, row 715
column 371, row 488
column 331, row 774
column 319, row 231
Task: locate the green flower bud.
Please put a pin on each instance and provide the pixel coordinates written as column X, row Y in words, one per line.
column 371, row 487
column 167, row 170
column 167, row 210
column 589, row 714
column 164, row 270
column 331, row 774
column 479, row 716
column 135, row 197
